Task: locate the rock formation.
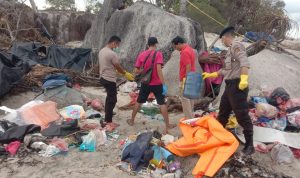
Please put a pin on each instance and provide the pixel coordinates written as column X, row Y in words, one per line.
column 66, row 26
column 138, row 22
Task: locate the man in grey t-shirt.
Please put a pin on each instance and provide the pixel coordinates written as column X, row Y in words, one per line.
column 108, row 65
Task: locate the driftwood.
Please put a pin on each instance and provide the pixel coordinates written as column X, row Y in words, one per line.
column 34, row 79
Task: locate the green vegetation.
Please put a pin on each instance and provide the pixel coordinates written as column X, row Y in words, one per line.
column 61, row 4
column 208, row 24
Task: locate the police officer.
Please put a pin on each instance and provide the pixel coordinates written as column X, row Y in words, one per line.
column 235, row 71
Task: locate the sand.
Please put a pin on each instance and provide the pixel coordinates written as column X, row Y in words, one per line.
column 102, row 163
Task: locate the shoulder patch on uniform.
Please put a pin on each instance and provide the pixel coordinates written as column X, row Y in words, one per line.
column 236, row 50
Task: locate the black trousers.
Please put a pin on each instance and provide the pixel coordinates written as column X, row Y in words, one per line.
column 235, row 100
column 111, row 98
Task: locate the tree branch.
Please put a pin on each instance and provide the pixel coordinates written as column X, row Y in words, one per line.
column 18, row 23
column 25, row 29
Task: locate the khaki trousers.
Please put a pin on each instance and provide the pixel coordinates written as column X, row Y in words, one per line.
column 187, row 104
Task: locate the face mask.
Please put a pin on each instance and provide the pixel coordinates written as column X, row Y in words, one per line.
column 117, row 50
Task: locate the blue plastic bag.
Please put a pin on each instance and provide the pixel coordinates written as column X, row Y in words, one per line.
column 89, row 142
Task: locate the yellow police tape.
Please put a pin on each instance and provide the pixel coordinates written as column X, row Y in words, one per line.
column 218, row 22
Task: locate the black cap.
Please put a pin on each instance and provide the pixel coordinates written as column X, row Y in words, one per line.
column 152, row 41
column 226, row 30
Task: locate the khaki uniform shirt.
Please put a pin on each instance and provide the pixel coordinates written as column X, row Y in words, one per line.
column 235, row 58
column 107, row 61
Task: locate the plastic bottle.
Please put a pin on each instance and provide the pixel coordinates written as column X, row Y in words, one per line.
column 192, row 86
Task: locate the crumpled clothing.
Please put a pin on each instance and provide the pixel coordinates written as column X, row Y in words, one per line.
column 63, row 129
column 128, row 87
column 41, row 114
column 256, row 99
column 265, row 110
column 31, row 138
column 13, row 147
column 89, row 124
column 296, row 153
column 18, row 133
column 133, row 153
column 73, row 112
column 278, row 123
column 282, row 154
column 278, row 97
column 59, row 143
column 294, row 118
column 50, row 151
column 263, row 148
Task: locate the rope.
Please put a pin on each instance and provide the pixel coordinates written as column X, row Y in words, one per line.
column 218, row 22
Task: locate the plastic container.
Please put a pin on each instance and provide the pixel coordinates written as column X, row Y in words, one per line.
column 192, row 86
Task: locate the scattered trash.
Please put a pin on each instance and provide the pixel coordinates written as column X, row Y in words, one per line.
column 282, row 154
column 296, row 153
column 89, row 124
column 12, row 116
column 39, row 146
column 50, row 151
column 150, row 109
column 128, row 87
column 167, row 139
column 158, row 173
column 72, row 112
column 245, row 166
column 101, row 137
column 89, row 142
column 41, row 114
column 60, row 144
column 97, row 105
column 174, row 166
column 266, row 110
column 92, row 114
column 13, row 147
column 263, row 148
column 294, row 118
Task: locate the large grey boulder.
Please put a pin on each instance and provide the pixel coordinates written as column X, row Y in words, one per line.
column 271, row 70
column 138, row 22
column 66, row 26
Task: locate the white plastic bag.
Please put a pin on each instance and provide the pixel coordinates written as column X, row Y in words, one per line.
column 51, row 150
column 101, row 137
column 282, row 154
column 12, row 116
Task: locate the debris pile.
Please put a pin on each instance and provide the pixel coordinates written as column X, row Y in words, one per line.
column 245, row 167
column 35, row 77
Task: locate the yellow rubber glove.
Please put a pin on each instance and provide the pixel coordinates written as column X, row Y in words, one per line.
column 129, row 76
column 182, row 85
column 244, row 82
column 206, row 75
